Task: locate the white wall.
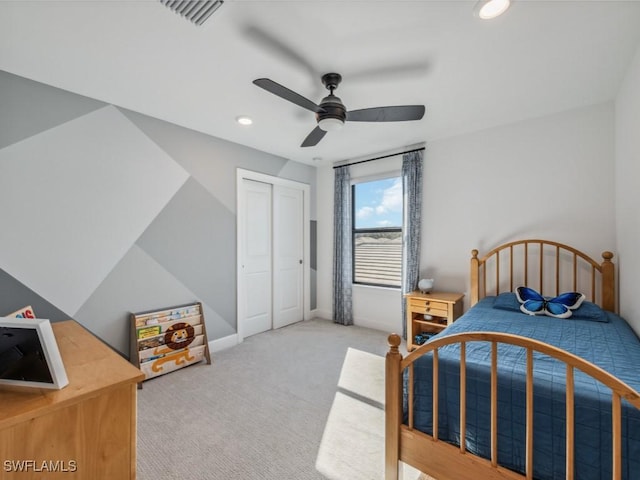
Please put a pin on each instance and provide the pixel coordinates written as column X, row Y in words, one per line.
column 325, row 242
column 549, row 177
column 627, row 175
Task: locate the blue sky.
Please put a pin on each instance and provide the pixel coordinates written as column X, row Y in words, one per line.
column 379, row 203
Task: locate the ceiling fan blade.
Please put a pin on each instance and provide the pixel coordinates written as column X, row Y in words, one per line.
column 314, row 137
column 387, row 114
column 269, row 42
column 290, row 95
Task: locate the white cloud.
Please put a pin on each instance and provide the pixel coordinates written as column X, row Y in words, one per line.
column 391, row 199
column 384, row 223
column 364, row 212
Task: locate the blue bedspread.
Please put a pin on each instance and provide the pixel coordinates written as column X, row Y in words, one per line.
column 611, row 345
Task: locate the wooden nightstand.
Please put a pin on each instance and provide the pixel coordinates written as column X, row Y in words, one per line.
column 444, row 308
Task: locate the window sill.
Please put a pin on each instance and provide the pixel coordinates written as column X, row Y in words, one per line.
column 376, row 287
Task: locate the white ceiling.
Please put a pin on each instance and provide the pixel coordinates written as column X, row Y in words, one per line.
column 540, row 57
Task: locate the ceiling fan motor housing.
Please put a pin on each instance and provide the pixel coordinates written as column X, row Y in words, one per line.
column 332, row 108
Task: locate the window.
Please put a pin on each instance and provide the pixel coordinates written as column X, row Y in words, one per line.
column 377, row 232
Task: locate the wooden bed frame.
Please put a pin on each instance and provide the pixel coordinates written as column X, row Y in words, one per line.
column 548, row 263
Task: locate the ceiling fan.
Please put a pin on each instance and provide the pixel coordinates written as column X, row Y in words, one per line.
column 331, row 113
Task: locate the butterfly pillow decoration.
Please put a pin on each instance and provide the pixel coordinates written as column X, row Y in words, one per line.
column 533, row 303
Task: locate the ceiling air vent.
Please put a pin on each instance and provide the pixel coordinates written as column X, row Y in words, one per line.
column 193, row 10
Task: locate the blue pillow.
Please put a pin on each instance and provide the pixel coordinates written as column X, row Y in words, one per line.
column 586, row 311
column 590, row 311
column 507, row 301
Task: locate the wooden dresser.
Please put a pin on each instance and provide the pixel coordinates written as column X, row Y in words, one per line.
column 87, row 430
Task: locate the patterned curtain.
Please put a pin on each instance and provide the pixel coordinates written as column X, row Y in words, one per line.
column 342, row 260
column 412, row 208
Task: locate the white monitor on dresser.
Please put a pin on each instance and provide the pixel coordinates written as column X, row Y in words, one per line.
column 29, row 355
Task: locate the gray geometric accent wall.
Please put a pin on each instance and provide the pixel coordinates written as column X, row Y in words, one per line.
column 107, row 212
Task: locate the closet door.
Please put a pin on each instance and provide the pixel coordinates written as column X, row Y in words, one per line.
column 256, row 245
column 288, row 254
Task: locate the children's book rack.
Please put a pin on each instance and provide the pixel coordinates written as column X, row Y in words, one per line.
column 166, row 340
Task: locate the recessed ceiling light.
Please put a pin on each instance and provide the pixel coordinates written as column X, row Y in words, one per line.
column 244, row 120
column 488, row 9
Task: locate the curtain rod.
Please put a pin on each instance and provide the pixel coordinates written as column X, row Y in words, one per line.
column 379, row 158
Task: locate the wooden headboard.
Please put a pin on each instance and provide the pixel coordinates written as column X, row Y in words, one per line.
column 549, row 267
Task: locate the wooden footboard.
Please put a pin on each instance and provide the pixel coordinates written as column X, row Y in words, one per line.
column 445, row 461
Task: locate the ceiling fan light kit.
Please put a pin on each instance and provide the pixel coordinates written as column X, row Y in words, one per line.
column 331, row 113
column 488, row 9
column 330, row 124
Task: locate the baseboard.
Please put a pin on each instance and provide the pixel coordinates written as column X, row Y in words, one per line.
column 223, row 343
column 320, row 313
column 365, row 322
column 368, row 323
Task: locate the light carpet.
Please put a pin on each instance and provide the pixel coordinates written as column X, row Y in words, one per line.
column 304, row 402
column 352, row 446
